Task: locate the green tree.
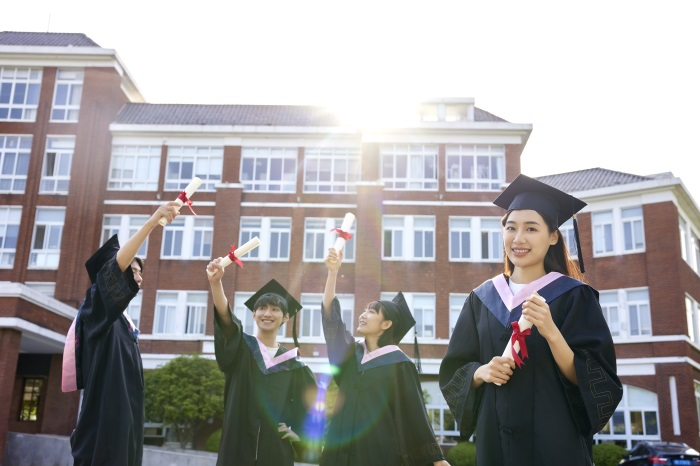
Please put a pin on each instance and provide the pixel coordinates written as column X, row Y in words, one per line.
column 185, row 393
column 607, row 454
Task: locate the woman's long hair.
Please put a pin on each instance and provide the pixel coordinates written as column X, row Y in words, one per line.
column 557, row 258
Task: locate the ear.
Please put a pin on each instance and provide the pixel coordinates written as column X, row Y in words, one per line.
column 553, row 238
column 285, row 319
column 386, row 324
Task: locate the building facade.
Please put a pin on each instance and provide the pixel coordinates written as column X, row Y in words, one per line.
column 83, row 157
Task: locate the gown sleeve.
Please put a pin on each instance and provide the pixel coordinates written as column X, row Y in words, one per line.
column 458, row 367
column 599, row 389
column 339, row 341
column 226, row 346
column 417, row 442
column 107, row 299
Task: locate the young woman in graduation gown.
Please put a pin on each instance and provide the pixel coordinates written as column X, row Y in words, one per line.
column 269, row 391
column 379, row 418
column 545, row 409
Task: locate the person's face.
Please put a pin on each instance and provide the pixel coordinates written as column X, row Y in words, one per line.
column 269, row 318
column 136, row 268
column 372, row 322
column 527, row 239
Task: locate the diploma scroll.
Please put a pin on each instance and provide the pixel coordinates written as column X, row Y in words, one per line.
column 520, row 330
column 187, row 194
column 241, row 251
column 344, row 231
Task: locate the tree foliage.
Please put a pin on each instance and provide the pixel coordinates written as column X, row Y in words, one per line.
column 607, row 454
column 185, row 393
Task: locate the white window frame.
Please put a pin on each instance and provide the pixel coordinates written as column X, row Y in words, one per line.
column 11, row 78
column 174, row 306
column 134, row 167
column 70, row 81
column 310, row 328
column 624, row 304
column 425, row 316
column 186, row 162
column 480, row 229
column 319, row 237
column 456, row 304
column 603, row 225
column 134, row 308
column 416, row 159
column 331, row 169
column 188, row 227
column 633, row 224
column 690, row 244
column 48, row 256
column 245, row 315
column 407, row 227
column 10, row 219
column 257, row 161
column 612, row 223
column 124, row 226
column 269, row 230
column 14, row 151
column 58, row 159
column 569, row 236
column 478, row 160
column 624, row 413
column 692, row 312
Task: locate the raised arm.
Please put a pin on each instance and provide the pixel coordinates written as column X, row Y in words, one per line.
column 218, row 295
column 332, row 261
column 127, row 252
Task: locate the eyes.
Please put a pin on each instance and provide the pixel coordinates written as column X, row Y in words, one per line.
column 512, row 228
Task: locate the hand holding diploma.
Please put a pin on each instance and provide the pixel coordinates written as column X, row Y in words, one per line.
column 344, row 231
column 184, row 197
column 233, row 255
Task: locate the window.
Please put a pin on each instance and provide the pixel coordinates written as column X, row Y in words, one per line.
column 125, row 226
column 409, row 166
column 422, row 306
column 318, row 237
column 690, row 245
column 269, row 169
column 692, row 312
column 636, row 419
column 474, row 168
column 618, row 231
column 274, row 234
column 602, row 232
column 456, row 304
column 408, row 237
column 180, row 313
column 188, row 237
column 19, row 93
column 633, row 227
column 310, row 317
column 245, row 315
column 186, row 162
column 134, row 309
column 683, row 230
column 567, row 233
column 331, row 169
column 46, row 243
column 14, row 162
column 485, row 244
column 627, row 312
column 10, row 218
column 696, row 386
column 134, row 168
column 55, row 175
column 31, row 397
column 45, row 288
column 66, row 96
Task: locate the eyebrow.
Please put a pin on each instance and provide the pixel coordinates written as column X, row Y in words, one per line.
column 530, row 222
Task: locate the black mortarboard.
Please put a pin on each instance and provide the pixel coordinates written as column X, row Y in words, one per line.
column 400, row 314
column 100, row 257
column 555, row 206
column 291, row 305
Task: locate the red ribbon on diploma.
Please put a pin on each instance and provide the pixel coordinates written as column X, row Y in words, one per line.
column 343, row 234
column 520, row 338
column 183, row 197
column 233, row 257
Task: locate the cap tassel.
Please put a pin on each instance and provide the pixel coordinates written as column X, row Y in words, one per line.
column 294, row 331
column 416, row 351
column 578, row 246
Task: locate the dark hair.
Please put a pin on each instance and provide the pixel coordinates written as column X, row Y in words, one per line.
column 557, row 258
column 139, row 261
column 387, row 337
column 273, row 300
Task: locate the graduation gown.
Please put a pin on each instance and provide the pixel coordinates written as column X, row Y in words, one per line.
column 538, row 417
column 110, row 425
column 261, row 392
column 379, row 416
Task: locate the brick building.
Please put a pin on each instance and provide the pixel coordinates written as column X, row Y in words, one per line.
column 84, row 157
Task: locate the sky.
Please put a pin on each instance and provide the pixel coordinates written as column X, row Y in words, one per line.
column 612, row 84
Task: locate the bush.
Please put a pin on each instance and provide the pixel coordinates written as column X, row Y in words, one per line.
column 607, row 454
column 213, row 441
column 463, row 454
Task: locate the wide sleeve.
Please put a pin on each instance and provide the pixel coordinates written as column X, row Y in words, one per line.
column 457, row 370
column 227, row 347
column 107, row 298
column 339, row 341
column 306, row 421
column 417, row 443
column 599, row 389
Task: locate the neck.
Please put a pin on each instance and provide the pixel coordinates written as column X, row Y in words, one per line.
column 372, row 343
column 527, row 275
column 268, row 339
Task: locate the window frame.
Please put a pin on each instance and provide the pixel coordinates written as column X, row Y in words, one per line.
column 328, row 237
column 176, row 304
column 49, row 252
column 494, row 153
column 333, row 157
column 211, row 156
column 265, row 230
column 63, row 155
column 411, row 181
column 137, row 159
column 126, row 227
column 187, row 226
column 21, row 154
column 287, row 181
column 406, row 230
column 10, row 216
column 14, row 78
column 74, row 91
column 623, row 302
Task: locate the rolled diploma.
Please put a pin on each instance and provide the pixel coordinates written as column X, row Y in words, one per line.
column 189, row 191
column 345, row 226
column 524, row 324
column 243, row 250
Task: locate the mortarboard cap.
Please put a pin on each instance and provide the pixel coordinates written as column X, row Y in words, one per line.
column 100, row 257
column 273, row 287
column 400, row 314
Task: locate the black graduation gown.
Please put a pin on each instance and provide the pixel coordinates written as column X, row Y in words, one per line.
column 538, row 417
column 110, row 425
column 379, row 416
column 258, row 396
